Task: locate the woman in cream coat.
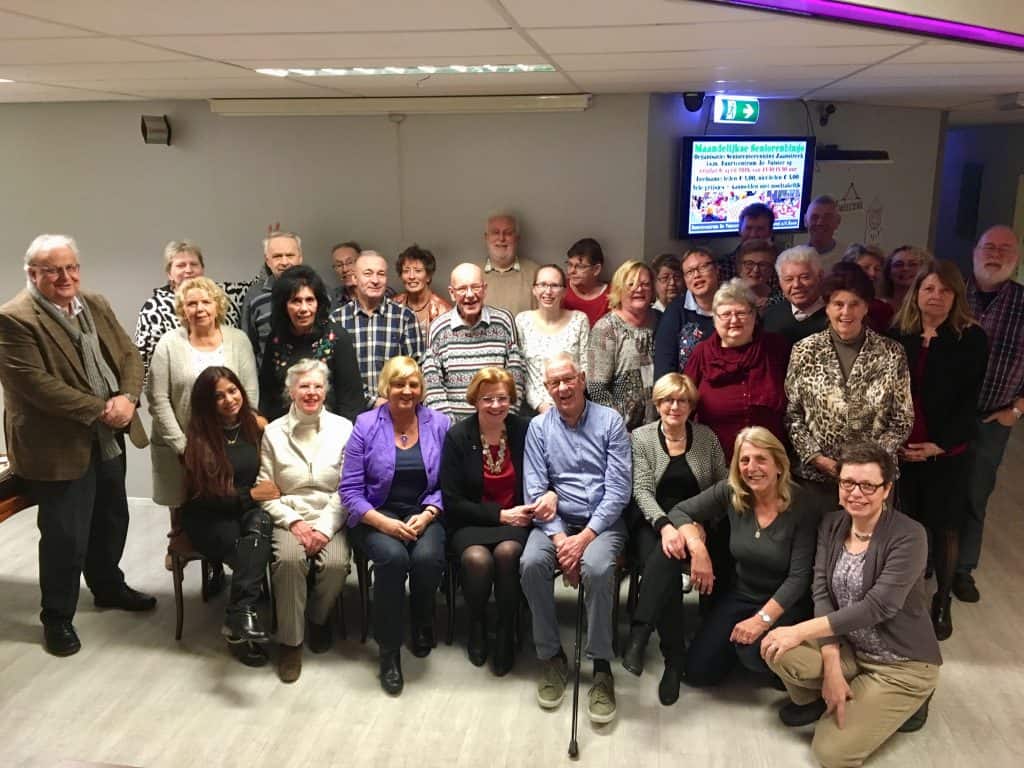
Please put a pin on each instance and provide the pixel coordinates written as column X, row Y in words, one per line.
column 302, row 455
column 180, row 356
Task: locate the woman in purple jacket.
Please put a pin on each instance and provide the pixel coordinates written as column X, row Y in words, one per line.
column 390, row 487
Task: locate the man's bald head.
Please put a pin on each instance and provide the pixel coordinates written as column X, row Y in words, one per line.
column 468, row 290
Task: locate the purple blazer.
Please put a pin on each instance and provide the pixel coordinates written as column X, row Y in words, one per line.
column 369, row 465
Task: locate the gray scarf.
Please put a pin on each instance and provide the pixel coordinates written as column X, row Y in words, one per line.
column 102, row 380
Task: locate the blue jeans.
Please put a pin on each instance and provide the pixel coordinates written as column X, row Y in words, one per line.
column 986, row 455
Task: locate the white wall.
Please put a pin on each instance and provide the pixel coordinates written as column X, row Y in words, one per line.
column 82, row 169
column 904, row 189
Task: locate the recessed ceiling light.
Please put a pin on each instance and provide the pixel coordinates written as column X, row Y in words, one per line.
column 4, row 80
column 451, row 69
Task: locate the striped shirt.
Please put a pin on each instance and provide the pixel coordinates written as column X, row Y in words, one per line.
column 388, row 331
column 255, row 319
column 457, row 351
column 1003, row 322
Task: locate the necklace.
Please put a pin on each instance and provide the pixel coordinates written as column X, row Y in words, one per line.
column 232, row 438
column 669, row 438
column 403, row 436
column 494, row 465
column 861, row 536
column 422, row 306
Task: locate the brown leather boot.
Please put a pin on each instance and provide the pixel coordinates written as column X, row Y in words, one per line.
column 289, row 663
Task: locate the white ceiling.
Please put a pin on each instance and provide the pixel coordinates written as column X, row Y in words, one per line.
column 71, row 50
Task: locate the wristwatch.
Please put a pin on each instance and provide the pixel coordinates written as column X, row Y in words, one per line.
column 1017, row 413
column 763, row 616
column 134, row 400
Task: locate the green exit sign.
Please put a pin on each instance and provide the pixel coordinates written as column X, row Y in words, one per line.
column 736, row 109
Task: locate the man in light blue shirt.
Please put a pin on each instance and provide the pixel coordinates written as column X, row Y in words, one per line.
column 577, row 468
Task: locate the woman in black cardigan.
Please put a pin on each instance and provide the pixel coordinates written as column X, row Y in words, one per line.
column 947, row 353
column 484, row 511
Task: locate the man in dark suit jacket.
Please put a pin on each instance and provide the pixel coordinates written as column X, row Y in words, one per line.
column 71, row 379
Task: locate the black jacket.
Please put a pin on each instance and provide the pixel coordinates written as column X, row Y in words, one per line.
column 462, row 472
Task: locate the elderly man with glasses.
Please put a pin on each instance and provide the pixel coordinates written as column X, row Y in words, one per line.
column 468, row 337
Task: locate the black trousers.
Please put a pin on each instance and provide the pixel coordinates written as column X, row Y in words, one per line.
column 712, row 656
column 83, row 525
column 243, row 541
column 660, row 602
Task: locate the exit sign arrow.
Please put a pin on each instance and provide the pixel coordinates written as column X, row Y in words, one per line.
column 736, row 109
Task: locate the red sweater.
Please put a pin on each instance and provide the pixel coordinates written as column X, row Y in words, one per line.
column 741, row 386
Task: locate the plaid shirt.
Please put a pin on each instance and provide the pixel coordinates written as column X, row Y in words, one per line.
column 1003, row 321
column 388, row 331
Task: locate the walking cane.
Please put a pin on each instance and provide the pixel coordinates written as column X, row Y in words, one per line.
column 574, row 747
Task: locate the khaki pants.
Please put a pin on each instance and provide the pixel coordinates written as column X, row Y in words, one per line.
column 289, row 571
column 884, row 697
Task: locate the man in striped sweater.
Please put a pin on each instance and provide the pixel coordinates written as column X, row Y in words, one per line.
column 466, row 338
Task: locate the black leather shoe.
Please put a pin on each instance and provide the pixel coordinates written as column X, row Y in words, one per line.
column 243, row 626
column 250, row 654
column 504, row 655
column 636, row 648
column 668, row 688
column 126, row 599
column 477, row 641
column 391, row 672
column 795, row 715
column 942, row 619
column 319, row 637
column 60, row 638
column 917, row 720
column 965, row 589
column 422, row 641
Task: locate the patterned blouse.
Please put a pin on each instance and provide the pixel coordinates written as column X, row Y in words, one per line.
column 538, row 347
column 425, row 315
column 620, row 368
column 848, row 584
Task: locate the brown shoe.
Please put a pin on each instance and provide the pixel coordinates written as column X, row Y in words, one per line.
column 289, row 663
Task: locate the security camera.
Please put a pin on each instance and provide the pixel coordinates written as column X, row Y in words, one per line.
column 825, row 112
column 693, row 100
column 156, row 129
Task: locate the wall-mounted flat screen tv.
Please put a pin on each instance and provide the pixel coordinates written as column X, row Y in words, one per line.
column 721, row 175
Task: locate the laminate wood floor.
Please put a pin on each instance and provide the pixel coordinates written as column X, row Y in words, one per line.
column 135, row 697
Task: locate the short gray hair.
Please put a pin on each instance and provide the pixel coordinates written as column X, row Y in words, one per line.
column 46, row 243
column 824, row 200
column 734, row 291
column 799, row 254
column 562, row 357
column 301, row 368
column 273, row 235
column 504, row 214
column 175, row 247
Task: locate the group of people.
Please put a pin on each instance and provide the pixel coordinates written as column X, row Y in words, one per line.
column 741, row 434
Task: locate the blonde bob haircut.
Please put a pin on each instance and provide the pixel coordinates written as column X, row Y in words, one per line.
column 490, row 375
column 624, row 279
column 173, row 248
column 675, row 385
column 399, row 368
column 214, row 291
column 759, row 437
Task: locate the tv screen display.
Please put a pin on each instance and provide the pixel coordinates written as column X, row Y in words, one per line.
column 720, row 176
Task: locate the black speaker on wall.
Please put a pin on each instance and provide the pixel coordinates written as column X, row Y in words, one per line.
column 969, row 201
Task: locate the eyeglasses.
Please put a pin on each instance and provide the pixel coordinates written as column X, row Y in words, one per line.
column 463, row 290
column 760, row 266
column 990, row 249
column 577, row 266
column 679, row 402
column 70, row 270
column 569, row 381
column 496, row 400
column 700, row 269
column 675, row 277
column 737, row 314
column 868, row 489
column 549, row 286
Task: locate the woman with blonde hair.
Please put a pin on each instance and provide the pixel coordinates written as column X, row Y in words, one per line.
column 772, row 527
column 620, row 359
column 673, row 459
column 947, row 353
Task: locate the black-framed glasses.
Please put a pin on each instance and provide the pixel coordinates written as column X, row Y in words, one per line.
column 868, row 489
column 700, row 269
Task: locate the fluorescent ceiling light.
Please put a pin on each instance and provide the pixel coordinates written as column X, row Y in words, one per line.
column 3, row 80
column 423, row 105
column 897, row 20
column 451, row 69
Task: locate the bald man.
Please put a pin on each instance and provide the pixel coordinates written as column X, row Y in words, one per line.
column 466, row 338
column 998, row 304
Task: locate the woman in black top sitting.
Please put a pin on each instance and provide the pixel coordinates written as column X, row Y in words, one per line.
column 772, row 528
column 222, row 516
column 299, row 329
column 482, row 488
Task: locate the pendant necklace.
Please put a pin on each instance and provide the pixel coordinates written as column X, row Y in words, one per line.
column 232, row 438
column 495, row 464
column 861, row 536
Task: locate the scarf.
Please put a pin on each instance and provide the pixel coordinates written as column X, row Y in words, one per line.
column 725, row 366
column 102, row 380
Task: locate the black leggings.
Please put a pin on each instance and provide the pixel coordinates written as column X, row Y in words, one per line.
column 495, row 566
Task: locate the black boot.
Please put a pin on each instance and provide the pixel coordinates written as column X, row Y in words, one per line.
column 668, row 688
column 391, row 672
column 917, row 720
column 942, row 619
column 243, row 626
column 477, row 639
column 504, row 648
column 636, row 648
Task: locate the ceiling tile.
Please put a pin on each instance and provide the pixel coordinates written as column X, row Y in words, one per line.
column 72, row 73
column 436, row 85
column 396, row 59
column 941, row 53
column 458, row 45
column 13, row 25
column 189, row 17
column 802, row 56
column 25, row 92
column 78, row 51
column 588, row 13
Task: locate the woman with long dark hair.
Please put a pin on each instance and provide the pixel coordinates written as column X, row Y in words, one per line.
column 221, row 514
column 300, row 328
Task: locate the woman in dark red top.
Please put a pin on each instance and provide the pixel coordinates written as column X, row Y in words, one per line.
column 739, row 370
column 482, row 488
column 947, row 353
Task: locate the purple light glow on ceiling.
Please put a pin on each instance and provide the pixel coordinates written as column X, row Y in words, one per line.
column 903, row 22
